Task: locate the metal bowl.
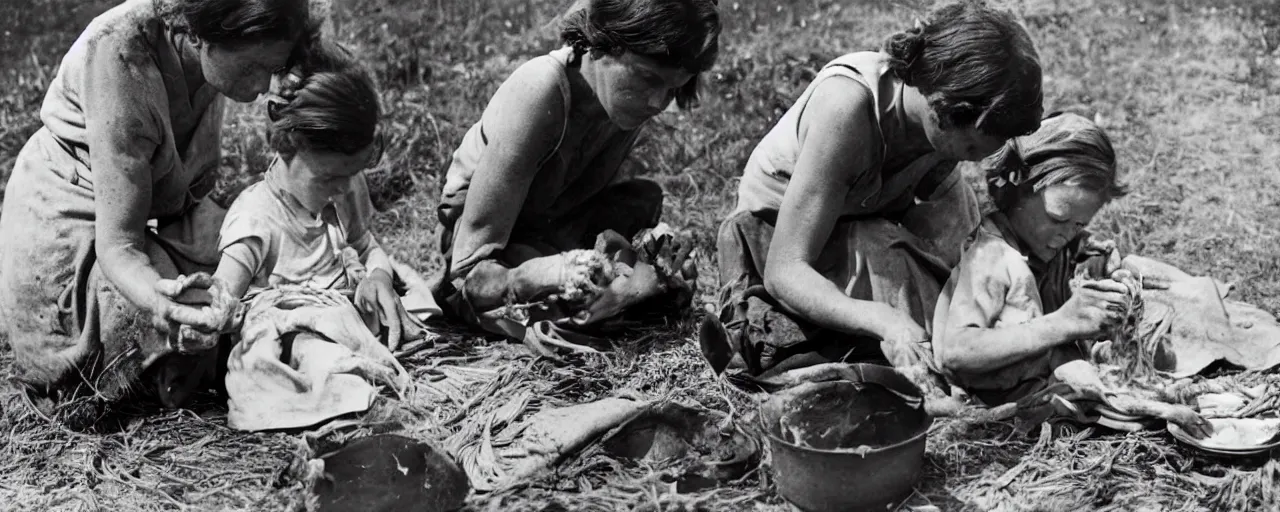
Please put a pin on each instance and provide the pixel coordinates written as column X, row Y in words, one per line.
column 847, row 445
column 1265, row 436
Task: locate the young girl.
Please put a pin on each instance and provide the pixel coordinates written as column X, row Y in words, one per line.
column 1007, row 317
column 307, row 221
column 535, row 178
column 1008, row 325
column 849, row 211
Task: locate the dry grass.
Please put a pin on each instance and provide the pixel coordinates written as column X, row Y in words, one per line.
column 1191, row 96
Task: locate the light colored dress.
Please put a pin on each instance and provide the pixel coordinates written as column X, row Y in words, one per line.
column 282, row 243
column 59, row 310
column 888, row 245
column 998, row 284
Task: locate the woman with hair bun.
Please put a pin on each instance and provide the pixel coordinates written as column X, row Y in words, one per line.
column 850, row 212
column 107, row 198
column 534, row 183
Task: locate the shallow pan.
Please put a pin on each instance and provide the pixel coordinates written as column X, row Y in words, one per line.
column 1234, row 436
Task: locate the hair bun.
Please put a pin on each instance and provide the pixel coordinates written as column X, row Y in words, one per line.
column 904, row 48
column 285, row 86
column 1006, row 166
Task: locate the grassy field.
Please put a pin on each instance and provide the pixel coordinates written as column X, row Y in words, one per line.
column 1190, row 93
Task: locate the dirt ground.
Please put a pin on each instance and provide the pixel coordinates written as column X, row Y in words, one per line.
column 1188, row 90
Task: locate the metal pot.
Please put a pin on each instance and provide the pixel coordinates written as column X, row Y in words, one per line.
column 847, row 445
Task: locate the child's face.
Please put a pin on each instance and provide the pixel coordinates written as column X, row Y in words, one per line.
column 634, row 88
column 316, row 177
column 1054, row 216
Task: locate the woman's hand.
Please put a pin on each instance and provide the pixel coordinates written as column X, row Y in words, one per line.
column 377, row 296
column 195, row 310
column 1094, row 308
column 898, row 327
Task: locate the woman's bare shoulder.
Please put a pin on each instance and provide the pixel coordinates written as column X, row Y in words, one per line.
column 840, row 103
column 840, row 118
column 530, row 104
column 536, row 84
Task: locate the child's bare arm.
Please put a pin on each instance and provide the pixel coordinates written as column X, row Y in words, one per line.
column 232, row 270
column 993, row 317
column 376, row 296
column 974, row 349
column 377, row 260
column 971, row 345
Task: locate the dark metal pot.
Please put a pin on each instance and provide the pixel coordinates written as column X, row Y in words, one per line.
column 847, row 445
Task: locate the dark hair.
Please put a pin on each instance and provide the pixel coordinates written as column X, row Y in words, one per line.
column 1067, row 149
column 234, row 23
column 682, row 34
column 332, row 107
column 981, row 63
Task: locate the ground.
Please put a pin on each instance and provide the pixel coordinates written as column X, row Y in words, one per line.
column 1189, row 92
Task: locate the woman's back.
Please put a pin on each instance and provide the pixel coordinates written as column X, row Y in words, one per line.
column 768, row 171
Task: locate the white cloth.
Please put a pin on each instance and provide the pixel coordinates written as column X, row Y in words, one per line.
column 305, row 357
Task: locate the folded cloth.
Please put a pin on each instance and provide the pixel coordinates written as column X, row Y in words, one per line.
column 1128, row 404
column 305, row 356
column 1206, row 326
column 519, row 441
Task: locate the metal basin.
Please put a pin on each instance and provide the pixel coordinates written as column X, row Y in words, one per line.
column 847, row 445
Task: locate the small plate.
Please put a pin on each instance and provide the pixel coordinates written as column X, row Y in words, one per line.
column 1266, row 429
column 1113, row 414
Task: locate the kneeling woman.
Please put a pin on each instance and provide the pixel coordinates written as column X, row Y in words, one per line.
column 107, row 198
column 536, row 177
column 850, row 211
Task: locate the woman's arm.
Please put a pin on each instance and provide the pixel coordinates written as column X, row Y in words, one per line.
column 522, row 122
column 838, row 143
column 122, row 124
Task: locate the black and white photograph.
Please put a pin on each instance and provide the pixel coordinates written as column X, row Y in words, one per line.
column 639, row 255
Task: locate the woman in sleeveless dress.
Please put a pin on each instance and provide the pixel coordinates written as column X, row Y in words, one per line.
column 105, row 200
column 538, row 176
column 850, row 211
